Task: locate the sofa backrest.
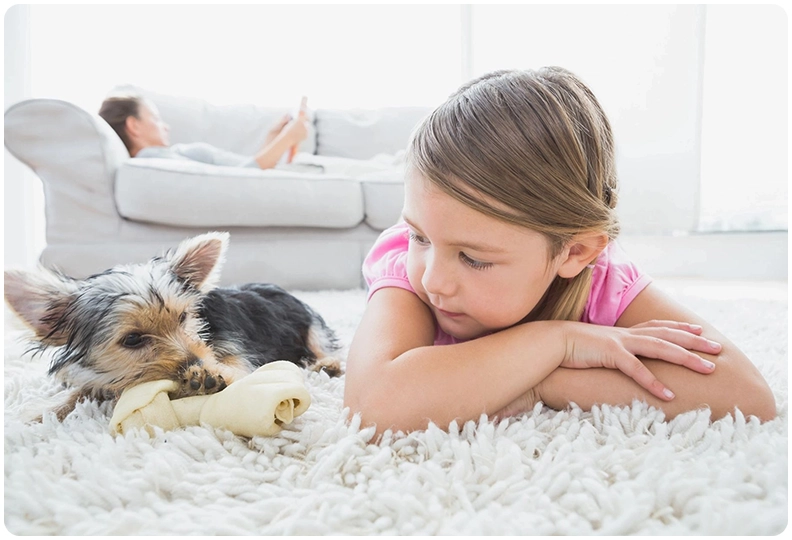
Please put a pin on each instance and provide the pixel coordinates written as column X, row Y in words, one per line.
column 362, row 134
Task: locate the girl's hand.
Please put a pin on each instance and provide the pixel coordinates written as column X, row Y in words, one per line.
column 592, row 346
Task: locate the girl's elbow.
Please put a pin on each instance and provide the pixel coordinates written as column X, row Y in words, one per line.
column 748, row 391
column 760, row 402
column 368, row 402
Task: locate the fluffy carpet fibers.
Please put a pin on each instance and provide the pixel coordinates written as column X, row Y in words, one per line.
column 610, row 471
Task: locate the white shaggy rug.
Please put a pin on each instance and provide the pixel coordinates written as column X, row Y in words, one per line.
column 611, row 471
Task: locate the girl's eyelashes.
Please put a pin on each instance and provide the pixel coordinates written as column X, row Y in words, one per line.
column 417, row 239
column 473, row 263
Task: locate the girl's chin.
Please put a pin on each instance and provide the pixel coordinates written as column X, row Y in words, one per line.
column 461, row 331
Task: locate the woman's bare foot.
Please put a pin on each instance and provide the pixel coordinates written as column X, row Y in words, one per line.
column 277, row 128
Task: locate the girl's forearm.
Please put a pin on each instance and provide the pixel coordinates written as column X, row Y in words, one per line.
column 443, row 383
column 729, row 386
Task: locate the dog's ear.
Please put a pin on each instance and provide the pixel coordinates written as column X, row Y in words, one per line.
column 41, row 300
column 198, row 260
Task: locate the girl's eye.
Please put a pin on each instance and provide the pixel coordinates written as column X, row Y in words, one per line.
column 473, row 263
column 418, row 239
column 134, row 341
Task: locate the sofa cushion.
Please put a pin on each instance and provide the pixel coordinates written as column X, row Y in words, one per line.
column 236, row 128
column 383, row 196
column 193, row 194
column 362, row 134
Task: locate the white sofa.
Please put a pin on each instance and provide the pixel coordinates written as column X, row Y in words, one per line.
column 299, row 230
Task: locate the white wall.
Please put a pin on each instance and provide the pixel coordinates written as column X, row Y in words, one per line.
column 340, row 56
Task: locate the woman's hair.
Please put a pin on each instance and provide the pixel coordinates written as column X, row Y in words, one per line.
column 116, row 109
column 533, row 148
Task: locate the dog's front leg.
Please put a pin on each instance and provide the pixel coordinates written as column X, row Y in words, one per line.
column 210, row 376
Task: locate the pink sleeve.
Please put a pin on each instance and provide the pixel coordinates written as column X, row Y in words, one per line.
column 615, row 282
column 386, row 263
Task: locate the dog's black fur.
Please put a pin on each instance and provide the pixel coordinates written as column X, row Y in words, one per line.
column 268, row 322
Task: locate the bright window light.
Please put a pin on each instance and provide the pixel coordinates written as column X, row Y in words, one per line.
column 744, row 124
column 340, row 56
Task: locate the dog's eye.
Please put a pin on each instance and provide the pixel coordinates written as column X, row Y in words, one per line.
column 182, row 317
column 133, row 341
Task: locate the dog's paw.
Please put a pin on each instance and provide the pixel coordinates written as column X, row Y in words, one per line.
column 329, row 364
column 197, row 381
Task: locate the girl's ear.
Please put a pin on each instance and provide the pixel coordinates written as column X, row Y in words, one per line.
column 580, row 252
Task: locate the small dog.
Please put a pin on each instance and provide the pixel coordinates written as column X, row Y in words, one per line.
column 165, row 320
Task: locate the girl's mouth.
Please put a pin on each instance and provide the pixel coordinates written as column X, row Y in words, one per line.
column 449, row 314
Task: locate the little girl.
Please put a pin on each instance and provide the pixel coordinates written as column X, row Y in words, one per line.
column 503, row 286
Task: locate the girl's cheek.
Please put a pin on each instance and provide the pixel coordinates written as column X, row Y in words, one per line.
column 415, row 270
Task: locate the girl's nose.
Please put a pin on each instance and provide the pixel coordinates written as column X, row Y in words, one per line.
column 436, row 279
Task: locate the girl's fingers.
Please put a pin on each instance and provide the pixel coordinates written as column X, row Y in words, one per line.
column 635, row 369
column 687, row 327
column 661, row 348
column 683, row 339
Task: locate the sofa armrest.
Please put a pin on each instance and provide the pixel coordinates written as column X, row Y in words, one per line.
column 75, row 154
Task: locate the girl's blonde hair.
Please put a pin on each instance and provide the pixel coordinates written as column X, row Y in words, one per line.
column 533, row 148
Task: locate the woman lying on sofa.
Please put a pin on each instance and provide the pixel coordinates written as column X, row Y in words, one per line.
column 138, row 124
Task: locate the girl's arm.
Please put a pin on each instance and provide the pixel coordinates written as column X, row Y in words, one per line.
column 734, row 383
column 396, row 378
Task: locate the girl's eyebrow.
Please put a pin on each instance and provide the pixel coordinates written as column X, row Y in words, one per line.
column 475, row 247
column 409, row 222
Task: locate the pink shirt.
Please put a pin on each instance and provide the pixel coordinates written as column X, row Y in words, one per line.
column 615, row 281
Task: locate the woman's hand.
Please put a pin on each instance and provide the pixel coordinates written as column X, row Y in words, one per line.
column 592, row 346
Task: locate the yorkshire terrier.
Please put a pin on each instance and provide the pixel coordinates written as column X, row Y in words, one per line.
column 165, row 319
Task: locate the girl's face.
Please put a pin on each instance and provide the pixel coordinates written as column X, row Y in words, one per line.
column 476, row 273
column 151, row 130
